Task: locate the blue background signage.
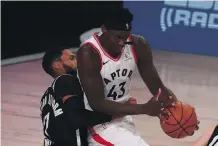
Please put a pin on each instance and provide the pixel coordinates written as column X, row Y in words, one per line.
column 181, row 26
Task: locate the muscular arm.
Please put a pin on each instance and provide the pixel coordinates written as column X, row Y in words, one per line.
column 67, row 89
column 147, row 69
column 80, row 117
column 89, row 72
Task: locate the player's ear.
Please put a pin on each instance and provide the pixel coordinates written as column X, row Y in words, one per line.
column 56, row 65
column 103, row 28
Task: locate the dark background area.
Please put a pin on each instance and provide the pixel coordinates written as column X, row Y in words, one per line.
column 33, row 27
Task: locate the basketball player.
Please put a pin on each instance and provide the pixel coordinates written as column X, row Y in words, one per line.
column 106, row 63
column 62, row 106
column 209, row 138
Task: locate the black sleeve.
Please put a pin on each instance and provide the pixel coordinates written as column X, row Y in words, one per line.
column 80, row 117
column 213, row 139
column 67, row 85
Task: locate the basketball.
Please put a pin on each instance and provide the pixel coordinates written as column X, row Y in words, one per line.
column 181, row 122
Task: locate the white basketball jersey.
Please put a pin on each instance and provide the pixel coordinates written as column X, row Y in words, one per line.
column 116, row 73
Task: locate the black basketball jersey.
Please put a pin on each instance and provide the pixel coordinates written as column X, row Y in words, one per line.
column 57, row 131
column 61, row 120
column 214, row 138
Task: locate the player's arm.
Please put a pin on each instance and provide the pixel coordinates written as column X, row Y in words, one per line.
column 79, row 116
column 68, row 90
column 147, row 69
column 204, row 139
column 89, row 66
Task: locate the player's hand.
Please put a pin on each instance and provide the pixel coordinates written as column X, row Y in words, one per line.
column 196, row 128
column 154, row 107
column 167, row 101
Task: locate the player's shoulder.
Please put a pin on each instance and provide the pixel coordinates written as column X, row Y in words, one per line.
column 63, row 80
column 141, row 46
column 63, row 77
column 88, row 54
column 87, row 49
column 137, row 39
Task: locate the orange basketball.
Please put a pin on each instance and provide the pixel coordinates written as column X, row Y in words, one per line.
column 182, row 121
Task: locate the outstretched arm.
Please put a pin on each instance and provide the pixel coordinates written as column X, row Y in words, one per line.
column 147, row 69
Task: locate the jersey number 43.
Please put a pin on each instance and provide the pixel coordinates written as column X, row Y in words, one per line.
column 114, row 94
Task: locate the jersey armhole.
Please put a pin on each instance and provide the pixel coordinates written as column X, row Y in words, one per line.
column 133, row 50
column 89, row 43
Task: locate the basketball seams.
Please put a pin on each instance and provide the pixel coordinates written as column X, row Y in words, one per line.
column 179, row 128
column 179, row 122
column 174, row 116
column 184, row 129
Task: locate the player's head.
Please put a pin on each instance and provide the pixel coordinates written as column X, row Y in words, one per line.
column 59, row 62
column 116, row 28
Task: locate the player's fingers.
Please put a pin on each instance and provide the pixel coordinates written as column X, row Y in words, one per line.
column 158, row 94
column 191, row 134
column 170, row 105
column 160, row 115
column 166, row 105
column 161, row 118
column 173, row 103
column 164, row 114
column 197, row 127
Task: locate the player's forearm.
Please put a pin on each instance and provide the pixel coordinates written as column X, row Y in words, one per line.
column 80, row 117
column 117, row 109
column 91, row 118
column 87, row 118
column 164, row 90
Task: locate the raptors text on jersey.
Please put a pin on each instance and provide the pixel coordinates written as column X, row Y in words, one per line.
column 116, row 73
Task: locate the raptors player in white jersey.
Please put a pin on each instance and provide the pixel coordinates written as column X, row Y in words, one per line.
column 106, row 63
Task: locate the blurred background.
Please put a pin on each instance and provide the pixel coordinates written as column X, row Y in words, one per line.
column 32, row 27
column 182, row 34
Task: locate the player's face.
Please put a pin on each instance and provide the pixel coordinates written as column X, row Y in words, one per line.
column 69, row 62
column 118, row 39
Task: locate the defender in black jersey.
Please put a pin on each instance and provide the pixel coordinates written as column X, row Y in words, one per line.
column 209, row 138
column 62, row 107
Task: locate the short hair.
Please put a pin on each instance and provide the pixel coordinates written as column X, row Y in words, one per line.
column 48, row 59
column 117, row 19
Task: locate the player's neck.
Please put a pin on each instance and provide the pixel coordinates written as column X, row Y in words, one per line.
column 57, row 74
column 107, row 46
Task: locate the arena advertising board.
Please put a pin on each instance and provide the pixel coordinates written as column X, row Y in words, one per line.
column 182, row 26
